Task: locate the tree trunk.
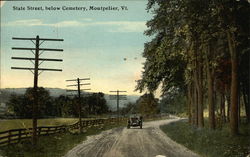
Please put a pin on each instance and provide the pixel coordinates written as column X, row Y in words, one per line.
column 228, row 107
column 239, row 109
column 200, row 101
column 198, row 83
column 222, row 108
column 193, row 103
column 189, row 101
column 210, row 82
column 234, row 84
column 195, row 108
column 246, row 103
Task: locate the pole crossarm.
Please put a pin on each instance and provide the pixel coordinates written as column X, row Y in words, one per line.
column 71, row 80
column 36, row 71
column 79, row 84
column 118, row 91
column 120, row 96
column 114, row 98
column 117, row 97
column 79, row 90
column 71, row 90
column 72, row 85
column 43, row 69
column 40, row 49
column 79, row 79
column 42, row 59
column 46, row 39
column 84, row 84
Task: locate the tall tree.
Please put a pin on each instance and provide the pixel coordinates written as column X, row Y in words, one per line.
column 148, row 105
column 234, row 26
column 22, row 105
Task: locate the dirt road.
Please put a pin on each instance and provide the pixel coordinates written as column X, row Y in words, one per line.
column 134, row 142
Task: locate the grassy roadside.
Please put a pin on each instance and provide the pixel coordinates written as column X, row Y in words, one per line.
column 210, row 143
column 51, row 146
column 8, row 124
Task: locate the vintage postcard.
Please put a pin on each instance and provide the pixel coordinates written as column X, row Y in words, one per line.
column 124, row 78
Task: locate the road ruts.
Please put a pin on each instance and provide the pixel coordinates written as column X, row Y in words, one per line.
column 134, row 142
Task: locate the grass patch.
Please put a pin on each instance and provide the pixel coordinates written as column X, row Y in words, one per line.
column 8, row 124
column 51, row 146
column 210, row 143
column 155, row 118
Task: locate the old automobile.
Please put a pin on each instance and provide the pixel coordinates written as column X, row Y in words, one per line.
column 134, row 121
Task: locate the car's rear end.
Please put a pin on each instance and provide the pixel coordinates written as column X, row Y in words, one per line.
column 134, row 121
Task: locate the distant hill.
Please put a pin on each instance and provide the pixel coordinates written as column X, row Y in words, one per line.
column 113, row 104
column 5, row 94
column 55, row 92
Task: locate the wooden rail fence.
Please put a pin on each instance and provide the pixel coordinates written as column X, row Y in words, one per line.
column 16, row 135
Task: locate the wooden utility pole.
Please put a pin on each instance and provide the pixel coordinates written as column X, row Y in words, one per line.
column 117, row 97
column 35, row 104
column 36, row 73
column 78, row 85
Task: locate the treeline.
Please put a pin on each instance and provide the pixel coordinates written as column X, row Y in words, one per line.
column 147, row 105
column 174, row 103
column 63, row 106
column 201, row 47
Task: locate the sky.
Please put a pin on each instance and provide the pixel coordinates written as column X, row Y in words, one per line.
column 105, row 46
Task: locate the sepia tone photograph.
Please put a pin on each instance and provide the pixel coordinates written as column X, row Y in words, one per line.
column 124, row 78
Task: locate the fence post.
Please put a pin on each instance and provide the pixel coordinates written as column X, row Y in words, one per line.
column 48, row 131
column 64, row 128
column 39, row 131
column 9, row 137
column 19, row 135
column 61, row 129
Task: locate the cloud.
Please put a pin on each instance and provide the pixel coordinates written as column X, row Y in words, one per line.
column 117, row 26
column 31, row 22
column 38, row 22
column 68, row 24
column 125, row 26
